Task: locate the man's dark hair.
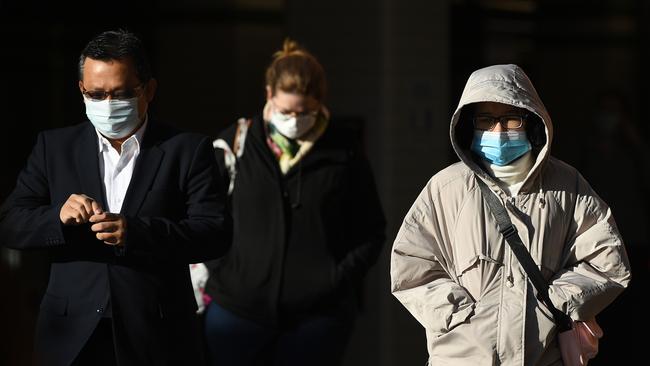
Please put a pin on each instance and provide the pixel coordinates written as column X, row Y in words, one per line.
column 117, row 45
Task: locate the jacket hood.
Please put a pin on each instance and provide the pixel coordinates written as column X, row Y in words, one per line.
column 506, row 84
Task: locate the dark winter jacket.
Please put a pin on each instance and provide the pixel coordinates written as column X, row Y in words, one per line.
column 303, row 241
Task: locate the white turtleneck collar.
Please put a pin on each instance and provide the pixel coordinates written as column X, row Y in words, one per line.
column 510, row 177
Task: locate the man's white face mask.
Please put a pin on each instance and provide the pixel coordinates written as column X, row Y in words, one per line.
column 113, row 118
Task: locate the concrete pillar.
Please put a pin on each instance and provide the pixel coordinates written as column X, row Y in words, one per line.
column 387, row 63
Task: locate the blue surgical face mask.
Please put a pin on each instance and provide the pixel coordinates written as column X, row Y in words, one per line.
column 500, row 148
column 113, row 118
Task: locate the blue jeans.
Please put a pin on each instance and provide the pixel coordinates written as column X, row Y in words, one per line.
column 235, row 341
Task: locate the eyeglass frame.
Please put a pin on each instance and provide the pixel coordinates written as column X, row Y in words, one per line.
column 133, row 93
column 500, row 120
column 313, row 113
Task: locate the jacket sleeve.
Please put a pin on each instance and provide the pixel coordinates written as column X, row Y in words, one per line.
column 366, row 220
column 203, row 231
column 28, row 218
column 420, row 277
column 596, row 266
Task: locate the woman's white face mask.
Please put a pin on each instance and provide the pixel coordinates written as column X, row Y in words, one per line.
column 291, row 126
column 292, row 114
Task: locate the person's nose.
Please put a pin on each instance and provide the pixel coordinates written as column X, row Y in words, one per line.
column 497, row 127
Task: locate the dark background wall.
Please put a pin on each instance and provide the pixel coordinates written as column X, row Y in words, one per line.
column 397, row 65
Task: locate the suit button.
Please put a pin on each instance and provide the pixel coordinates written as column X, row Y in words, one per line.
column 100, row 310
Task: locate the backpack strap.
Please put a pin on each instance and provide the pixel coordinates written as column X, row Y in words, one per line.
column 230, row 156
column 240, row 136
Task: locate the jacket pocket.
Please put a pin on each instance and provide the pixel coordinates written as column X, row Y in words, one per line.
column 54, row 305
column 475, row 262
column 472, row 273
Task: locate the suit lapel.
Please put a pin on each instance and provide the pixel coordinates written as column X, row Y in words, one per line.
column 88, row 166
column 145, row 171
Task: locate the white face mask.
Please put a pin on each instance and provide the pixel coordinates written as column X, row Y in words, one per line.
column 113, row 118
column 293, row 127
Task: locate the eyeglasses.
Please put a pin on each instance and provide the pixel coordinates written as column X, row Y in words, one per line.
column 116, row 94
column 289, row 114
column 508, row 122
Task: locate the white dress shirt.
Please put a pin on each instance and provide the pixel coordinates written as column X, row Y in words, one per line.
column 116, row 168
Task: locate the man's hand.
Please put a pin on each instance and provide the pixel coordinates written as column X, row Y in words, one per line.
column 78, row 209
column 109, row 227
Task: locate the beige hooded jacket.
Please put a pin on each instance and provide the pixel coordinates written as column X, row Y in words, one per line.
column 453, row 270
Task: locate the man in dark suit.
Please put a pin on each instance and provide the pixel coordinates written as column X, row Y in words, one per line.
column 122, row 204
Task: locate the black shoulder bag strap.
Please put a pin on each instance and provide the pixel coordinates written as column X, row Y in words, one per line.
column 508, row 230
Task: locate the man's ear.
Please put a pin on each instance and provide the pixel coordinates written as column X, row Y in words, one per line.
column 81, row 86
column 150, row 89
column 269, row 92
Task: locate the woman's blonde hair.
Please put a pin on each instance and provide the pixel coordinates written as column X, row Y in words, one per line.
column 295, row 70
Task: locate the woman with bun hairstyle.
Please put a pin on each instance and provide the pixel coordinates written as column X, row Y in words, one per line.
column 308, row 224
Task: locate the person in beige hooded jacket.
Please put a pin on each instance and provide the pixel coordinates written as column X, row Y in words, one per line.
column 454, row 271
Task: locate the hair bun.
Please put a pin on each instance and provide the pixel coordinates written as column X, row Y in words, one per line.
column 296, row 70
column 289, row 48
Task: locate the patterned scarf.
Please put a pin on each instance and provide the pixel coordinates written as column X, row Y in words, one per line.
column 289, row 151
column 283, row 147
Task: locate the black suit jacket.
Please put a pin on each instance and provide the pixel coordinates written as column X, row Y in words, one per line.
column 175, row 215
